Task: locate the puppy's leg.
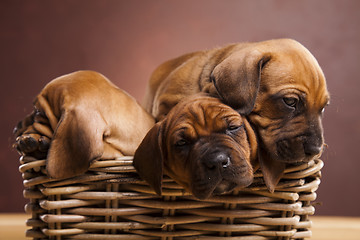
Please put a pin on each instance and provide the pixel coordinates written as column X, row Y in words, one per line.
column 24, row 124
column 111, row 152
column 33, row 135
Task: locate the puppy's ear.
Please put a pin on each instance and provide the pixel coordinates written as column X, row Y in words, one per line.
column 78, row 139
column 272, row 170
column 149, row 157
column 237, row 79
column 253, row 143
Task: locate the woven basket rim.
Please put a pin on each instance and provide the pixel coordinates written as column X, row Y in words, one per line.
column 110, row 201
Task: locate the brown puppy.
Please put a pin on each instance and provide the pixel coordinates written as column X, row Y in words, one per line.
column 203, row 144
column 277, row 83
column 87, row 118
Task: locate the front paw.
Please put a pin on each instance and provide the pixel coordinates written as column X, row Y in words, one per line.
column 32, row 145
column 27, row 143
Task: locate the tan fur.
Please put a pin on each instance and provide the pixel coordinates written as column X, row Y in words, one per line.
column 89, row 118
column 203, row 123
column 254, row 78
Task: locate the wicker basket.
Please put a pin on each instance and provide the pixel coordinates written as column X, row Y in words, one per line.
column 111, row 202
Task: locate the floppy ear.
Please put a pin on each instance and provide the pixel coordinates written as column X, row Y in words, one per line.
column 237, row 79
column 148, row 158
column 78, row 139
column 253, row 143
column 272, row 170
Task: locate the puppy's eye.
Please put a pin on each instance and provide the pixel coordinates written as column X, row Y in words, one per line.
column 322, row 111
column 290, row 101
column 233, row 128
column 181, row 143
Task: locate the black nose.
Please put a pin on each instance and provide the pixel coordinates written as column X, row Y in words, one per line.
column 312, row 149
column 217, row 160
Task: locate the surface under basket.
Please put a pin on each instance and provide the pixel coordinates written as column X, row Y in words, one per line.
column 111, row 202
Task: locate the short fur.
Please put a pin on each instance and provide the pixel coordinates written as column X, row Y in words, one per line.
column 278, row 84
column 86, row 117
column 203, row 144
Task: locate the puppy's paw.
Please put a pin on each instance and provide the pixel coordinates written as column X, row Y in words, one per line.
column 27, row 143
column 44, row 144
column 32, row 145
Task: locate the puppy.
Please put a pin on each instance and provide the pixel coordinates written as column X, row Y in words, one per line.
column 277, row 84
column 86, row 117
column 203, row 144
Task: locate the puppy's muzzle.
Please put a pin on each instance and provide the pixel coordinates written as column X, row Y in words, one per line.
column 312, row 150
column 300, row 149
column 217, row 160
column 218, row 173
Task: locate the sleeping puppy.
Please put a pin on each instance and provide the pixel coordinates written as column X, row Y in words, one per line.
column 277, row 84
column 203, row 144
column 86, row 117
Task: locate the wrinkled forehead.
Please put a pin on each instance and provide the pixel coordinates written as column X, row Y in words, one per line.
column 207, row 115
column 295, row 71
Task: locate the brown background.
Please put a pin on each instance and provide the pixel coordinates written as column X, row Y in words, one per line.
column 126, row 40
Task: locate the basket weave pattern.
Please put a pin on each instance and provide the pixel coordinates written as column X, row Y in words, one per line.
column 111, row 202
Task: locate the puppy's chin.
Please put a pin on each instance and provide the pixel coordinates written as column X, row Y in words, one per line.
column 226, row 187
column 295, row 151
column 202, row 195
column 202, row 191
column 223, row 187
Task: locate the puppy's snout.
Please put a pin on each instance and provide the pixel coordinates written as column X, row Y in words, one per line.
column 312, row 149
column 217, row 160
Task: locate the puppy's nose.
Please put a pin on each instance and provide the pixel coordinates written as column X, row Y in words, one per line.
column 218, row 160
column 312, row 149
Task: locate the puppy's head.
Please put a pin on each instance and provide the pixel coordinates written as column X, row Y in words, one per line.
column 202, row 144
column 291, row 96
